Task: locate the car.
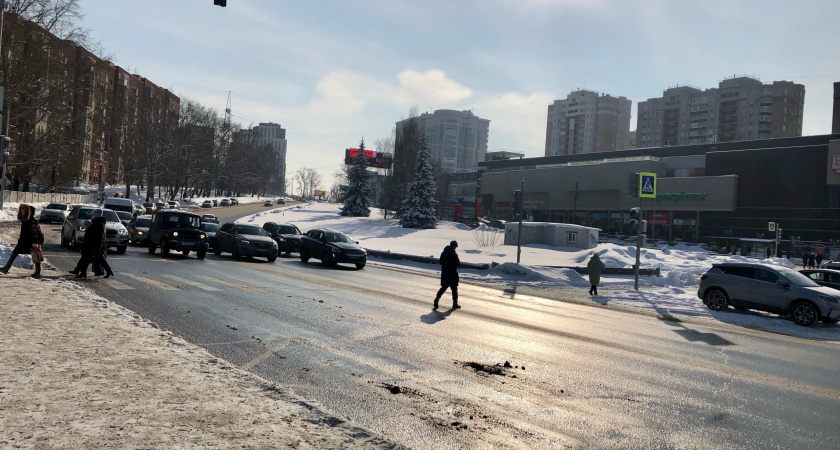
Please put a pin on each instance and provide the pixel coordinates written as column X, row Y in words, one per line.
column 79, row 218
column 209, row 217
column 281, row 201
column 331, row 247
column 116, row 234
column 55, row 212
column 268, row 203
column 224, row 202
column 125, row 217
column 149, row 206
column 244, row 240
column 173, row 204
column 768, row 288
column 138, row 230
column 119, row 204
column 207, row 204
column 286, row 235
column 210, row 229
column 160, row 206
column 824, row 277
column 179, row 231
column 833, row 265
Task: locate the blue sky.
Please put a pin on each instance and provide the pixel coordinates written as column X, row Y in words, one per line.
column 332, row 71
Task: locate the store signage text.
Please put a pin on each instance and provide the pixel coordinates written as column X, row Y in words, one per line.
column 681, row 197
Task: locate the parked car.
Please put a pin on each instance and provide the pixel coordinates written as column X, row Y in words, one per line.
column 179, row 231
column 767, row 288
column 286, row 235
column 207, row 204
column 55, row 212
column 268, row 203
column 172, row 204
column 150, row 207
column 224, row 202
column 244, row 240
column 159, row 206
column 824, row 277
column 210, row 229
column 281, row 201
column 74, row 227
column 209, row 218
column 125, row 217
column 331, row 247
column 833, row 265
column 138, row 230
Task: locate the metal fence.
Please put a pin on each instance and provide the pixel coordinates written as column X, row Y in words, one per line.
column 37, row 197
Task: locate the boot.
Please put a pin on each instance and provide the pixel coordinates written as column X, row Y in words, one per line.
column 109, row 274
column 436, row 304
column 455, row 305
column 81, row 275
column 37, row 273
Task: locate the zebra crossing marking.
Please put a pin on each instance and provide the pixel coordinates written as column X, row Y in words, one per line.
column 155, row 283
column 192, row 283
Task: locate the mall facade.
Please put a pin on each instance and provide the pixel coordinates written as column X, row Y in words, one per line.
column 717, row 192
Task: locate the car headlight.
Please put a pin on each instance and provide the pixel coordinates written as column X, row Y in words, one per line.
column 139, row 233
column 203, row 236
column 82, row 228
column 175, row 234
column 122, row 231
column 364, row 252
column 281, row 239
column 829, row 299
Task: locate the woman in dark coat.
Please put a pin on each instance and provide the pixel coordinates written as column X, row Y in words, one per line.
column 449, row 263
column 28, row 225
column 94, row 247
column 594, row 268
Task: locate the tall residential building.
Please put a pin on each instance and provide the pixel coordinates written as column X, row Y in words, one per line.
column 457, row 139
column 273, row 135
column 740, row 108
column 587, row 122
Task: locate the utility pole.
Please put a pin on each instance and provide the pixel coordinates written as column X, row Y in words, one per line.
column 4, row 140
column 521, row 213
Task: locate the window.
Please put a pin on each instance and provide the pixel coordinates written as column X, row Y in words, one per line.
column 744, row 272
column 766, row 276
column 571, row 237
column 816, row 276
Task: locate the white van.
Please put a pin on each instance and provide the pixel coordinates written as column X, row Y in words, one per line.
column 119, row 204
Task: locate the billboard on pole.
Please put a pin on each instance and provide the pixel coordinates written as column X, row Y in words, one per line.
column 379, row 160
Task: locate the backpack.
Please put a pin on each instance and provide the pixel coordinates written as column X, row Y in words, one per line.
column 37, row 234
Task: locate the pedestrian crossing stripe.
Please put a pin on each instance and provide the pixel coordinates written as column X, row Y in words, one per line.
column 155, row 283
column 192, row 283
column 647, row 185
column 229, row 283
column 117, row 285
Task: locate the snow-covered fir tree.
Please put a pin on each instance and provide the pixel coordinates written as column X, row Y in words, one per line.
column 357, row 197
column 418, row 209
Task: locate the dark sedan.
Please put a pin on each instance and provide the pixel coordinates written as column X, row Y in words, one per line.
column 824, row 277
column 210, row 229
column 331, row 247
column 286, row 235
column 244, row 240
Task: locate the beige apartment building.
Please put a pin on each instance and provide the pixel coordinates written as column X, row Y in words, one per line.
column 587, row 122
column 740, row 108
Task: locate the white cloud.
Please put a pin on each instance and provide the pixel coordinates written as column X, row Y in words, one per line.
column 430, row 87
column 517, row 120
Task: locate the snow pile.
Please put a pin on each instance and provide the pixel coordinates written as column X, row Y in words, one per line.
column 10, row 210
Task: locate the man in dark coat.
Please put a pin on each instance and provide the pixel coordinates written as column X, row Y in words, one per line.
column 449, row 263
column 812, row 261
column 28, row 225
column 94, row 247
column 819, row 259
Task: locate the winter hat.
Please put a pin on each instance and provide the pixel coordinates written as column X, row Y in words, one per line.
column 453, row 244
column 24, row 213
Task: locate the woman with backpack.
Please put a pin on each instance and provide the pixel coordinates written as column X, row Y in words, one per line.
column 29, row 240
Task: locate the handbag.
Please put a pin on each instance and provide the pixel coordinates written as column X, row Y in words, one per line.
column 36, row 254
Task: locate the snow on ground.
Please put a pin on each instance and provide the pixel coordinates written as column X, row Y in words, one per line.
column 675, row 292
column 10, row 210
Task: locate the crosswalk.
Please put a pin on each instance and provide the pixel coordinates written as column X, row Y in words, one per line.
column 168, row 282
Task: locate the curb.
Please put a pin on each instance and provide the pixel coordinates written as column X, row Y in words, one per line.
column 421, row 259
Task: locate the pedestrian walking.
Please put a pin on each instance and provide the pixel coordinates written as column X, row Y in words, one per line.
column 812, row 261
column 29, row 240
column 449, row 263
column 594, row 268
column 819, row 259
column 94, row 247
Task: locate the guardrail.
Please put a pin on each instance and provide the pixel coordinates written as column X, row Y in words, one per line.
column 50, row 197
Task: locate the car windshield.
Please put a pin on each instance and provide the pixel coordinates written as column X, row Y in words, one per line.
column 285, row 229
column 143, row 223
column 86, row 213
column 206, row 226
column 58, row 206
column 339, row 237
column 797, row 278
column 250, row 230
column 171, row 221
column 125, row 215
column 110, row 216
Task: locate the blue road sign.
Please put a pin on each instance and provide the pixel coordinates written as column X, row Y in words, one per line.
column 647, row 185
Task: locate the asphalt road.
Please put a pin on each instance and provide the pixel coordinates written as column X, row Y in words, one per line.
column 580, row 376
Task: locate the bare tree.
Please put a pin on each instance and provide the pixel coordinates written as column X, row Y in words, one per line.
column 309, row 179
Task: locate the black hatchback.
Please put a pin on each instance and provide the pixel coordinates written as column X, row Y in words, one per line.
column 331, row 247
column 286, row 235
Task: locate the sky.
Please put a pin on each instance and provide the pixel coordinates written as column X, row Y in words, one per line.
column 334, row 72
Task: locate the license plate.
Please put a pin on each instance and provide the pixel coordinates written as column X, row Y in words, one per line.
column 189, row 243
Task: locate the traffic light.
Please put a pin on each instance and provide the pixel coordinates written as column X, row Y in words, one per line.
column 635, row 215
column 517, row 201
column 221, row 3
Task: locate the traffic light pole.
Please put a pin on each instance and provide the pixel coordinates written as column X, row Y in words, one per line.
column 638, row 247
column 519, row 230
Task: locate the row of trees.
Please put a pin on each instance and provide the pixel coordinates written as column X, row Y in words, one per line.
column 66, row 105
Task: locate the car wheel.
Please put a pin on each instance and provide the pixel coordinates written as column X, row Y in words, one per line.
column 201, row 254
column 804, row 314
column 360, row 266
column 304, row 255
column 217, row 249
column 64, row 241
column 272, row 258
column 326, row 258
column 121, row 249
column 164, row 249
column 235, row 252
column 152, row 248
column 715, row 299
column 185, row 252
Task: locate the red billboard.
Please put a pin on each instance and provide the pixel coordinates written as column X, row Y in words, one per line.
column 379, row 160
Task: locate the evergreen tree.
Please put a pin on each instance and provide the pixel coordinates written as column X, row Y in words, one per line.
column 357, row 197
column 418, row 209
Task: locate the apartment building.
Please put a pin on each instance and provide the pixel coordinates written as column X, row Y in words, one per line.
column 587, row 122
column 274, row 136
column 457, row 139
column 740, row 108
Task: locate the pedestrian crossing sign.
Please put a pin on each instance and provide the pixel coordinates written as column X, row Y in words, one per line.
column 647, row 185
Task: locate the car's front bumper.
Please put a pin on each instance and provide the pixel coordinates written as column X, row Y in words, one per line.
column 288, row 246
column 179, row 244
column 52, row 217
column 354, row 259
column 117, row 241
column 252, row 250
column 832, row 313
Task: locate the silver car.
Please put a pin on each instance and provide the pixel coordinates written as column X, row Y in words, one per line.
column 55, row 212
column 73, row 230
column 769, row 288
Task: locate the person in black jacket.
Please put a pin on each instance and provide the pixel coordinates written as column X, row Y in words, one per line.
column 94, row 247
column 449, row 263
column 26, row 239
